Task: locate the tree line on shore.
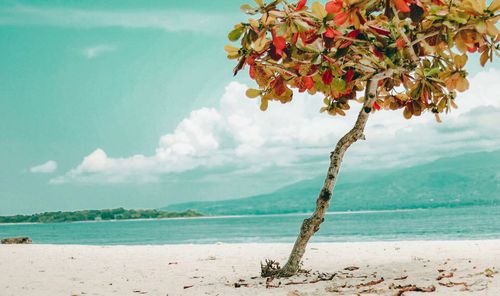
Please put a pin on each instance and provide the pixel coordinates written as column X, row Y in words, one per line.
column 96, row 215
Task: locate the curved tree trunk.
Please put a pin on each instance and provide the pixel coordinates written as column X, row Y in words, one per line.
column 311, row 224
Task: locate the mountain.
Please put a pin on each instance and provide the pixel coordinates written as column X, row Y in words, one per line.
column 470, row 179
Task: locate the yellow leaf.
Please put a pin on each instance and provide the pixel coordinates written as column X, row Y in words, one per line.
column 494, row 6
column 319, row 10
column 253, row 22
column 462, row 84
column 263, row 104
column 407, row 113
column 253, row 93
column 460, row 44
column 231, row 50
column 260, row 44
column 491, row 28
column 460, row 60
column 484, row 58
column 481, row 27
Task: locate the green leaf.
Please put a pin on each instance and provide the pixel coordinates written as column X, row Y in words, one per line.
column 235, row 34
column 339, row 84
column 432, row 72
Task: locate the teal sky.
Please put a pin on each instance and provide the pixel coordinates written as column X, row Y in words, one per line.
column 112, row 80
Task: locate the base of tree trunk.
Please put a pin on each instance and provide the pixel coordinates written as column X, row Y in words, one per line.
column 271, row 268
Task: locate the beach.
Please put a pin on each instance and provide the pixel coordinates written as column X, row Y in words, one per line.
column 364, row 268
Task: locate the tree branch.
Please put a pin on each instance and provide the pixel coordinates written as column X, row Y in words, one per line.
column 413, row 55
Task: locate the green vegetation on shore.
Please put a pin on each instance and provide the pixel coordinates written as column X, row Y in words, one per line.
column 96, row 215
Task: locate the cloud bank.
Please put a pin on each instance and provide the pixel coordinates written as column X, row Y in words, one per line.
column 45, row 168
column 240, row 138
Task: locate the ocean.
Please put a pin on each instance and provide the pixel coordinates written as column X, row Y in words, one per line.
column 473, row 222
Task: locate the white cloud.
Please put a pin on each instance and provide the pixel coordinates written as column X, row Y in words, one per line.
column 168, row 20
column 238, row 136
column 97, row 50
column 45, row 168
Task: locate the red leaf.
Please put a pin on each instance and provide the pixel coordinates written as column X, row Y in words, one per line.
column 353, row 33
column 401, row 5
column 425, row 97
column 378, row 54
column 333, row 6
column 279, row 43
column 329, row 59
column 251, row 71
column 331, row 33
column 380, row 31
column 472, row 49
column 278, row 86
column 349, row 75
column 340, row 18
column 308, row 37
column 300, row 5
column 304, row 83
column 308, row 82
column 376, row 106
column 327, row 76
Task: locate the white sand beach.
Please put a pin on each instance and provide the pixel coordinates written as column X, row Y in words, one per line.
column 367, row 268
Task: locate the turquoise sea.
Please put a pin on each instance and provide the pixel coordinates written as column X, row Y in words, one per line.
column 473, row 222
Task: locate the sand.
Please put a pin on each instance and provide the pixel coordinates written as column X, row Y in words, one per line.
column 367, row 268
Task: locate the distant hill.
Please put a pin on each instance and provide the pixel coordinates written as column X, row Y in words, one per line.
column 470, row 179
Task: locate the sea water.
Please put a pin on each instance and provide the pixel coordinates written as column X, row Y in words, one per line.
column 474, row 222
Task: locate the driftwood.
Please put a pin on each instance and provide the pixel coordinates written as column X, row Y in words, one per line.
column 16, row 240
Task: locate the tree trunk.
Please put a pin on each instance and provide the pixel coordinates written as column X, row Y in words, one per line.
column 311, row 224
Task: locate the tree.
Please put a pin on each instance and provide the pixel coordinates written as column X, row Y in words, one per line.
column 404, row 54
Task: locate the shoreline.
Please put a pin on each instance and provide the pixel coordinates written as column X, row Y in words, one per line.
column 233, row 269
column 297, row 214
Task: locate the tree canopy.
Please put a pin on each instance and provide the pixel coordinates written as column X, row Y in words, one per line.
column 336, row 48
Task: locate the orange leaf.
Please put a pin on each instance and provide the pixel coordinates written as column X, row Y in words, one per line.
column 279, row 43
column 300, row 5
column 333, row 6
column 400, row 43
column 340, row 18
column 331, row 33
column 401, row 5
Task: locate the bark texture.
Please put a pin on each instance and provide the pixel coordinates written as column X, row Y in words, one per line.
column 311, row 225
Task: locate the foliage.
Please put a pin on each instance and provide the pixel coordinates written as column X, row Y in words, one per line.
column 335, row 49
column 95, row 215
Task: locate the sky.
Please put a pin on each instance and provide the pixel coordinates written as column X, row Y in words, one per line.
column 133, row 104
